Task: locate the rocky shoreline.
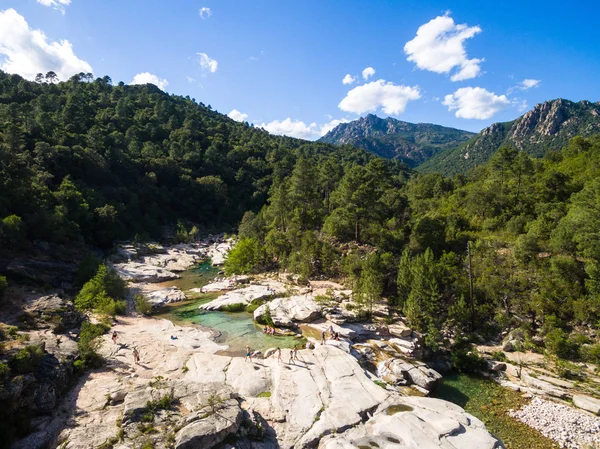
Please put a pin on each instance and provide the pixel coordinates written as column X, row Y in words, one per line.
column 364, row 389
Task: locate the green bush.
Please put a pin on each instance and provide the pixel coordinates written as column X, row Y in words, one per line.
column 4, row 370
column 102, row 293
column 27, row 359
column 465, row 359
column 142, row 305
column 558, row 343
column 88, row 345
column 591, row 353
column 3, row 286
column 244, row 257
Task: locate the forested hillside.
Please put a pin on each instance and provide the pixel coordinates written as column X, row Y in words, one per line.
column 532, row 223
column 84, row 160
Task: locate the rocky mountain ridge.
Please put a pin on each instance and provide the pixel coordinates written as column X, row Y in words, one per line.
column 412, row 143
column 548, row 126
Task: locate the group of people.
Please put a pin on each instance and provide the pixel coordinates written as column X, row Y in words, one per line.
column 293, row 354
column 333, row 335
column 269, row 330
column 136, row 352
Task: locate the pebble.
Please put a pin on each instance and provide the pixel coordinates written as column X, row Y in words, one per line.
column 570, row 428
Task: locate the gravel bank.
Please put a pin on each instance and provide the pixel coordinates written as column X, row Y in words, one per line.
column 567, row 426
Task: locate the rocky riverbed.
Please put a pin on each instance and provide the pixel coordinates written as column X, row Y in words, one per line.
column 323, row 399
column 569, row 427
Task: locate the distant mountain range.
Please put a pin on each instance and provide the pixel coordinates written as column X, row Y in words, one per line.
column 548, row 126
column 434, row 148
column 412, row 143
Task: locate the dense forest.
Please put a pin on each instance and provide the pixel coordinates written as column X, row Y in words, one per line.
column 84, row 161
column 531, row 223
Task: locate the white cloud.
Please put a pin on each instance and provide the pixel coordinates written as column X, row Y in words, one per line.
column 292, row 128
column 299, row 129
column 529, row 83
column 149, row 78
column 237, row 116
column 368, row 72
column 439, row 47
column 205, row 12
column 369, row 97
column 59, row 5
column 207, row 63
column 190, row 79
column 526, row 84
column 326, row 127
column 475, row 103
column 348, row 79
column 28, row 52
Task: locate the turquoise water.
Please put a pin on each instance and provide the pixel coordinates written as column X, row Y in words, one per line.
column 235, row 330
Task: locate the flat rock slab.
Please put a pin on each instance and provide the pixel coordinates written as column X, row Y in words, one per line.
column 416, row 423
column 164, row 296
column 240, row 296
column 587, row 403
column 285, row 312
column 140, row 272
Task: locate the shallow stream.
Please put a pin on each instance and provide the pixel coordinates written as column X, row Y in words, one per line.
column 234, row 329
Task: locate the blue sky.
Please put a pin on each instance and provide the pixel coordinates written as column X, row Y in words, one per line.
column 277, row 60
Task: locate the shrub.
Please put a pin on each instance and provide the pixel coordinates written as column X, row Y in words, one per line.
column 558, row 343
column 4, row 370
column 102, row 293
column 591, row 353
column 88, row 345
column 142, row 305
column 27, row 359
column 3, row 286
column 244, row 257
column 465, row 359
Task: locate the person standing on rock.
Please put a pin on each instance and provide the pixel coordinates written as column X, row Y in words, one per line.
column 279, row 354
column 248, row 354
column 323, row 338
column 114, row 337
column 136, row 355
column 295, row 353
column 291, row 357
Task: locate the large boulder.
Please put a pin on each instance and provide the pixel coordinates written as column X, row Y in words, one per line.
column 141, row 272
column 420, row 375
column 415, row 423
column 287, row 311
column 212, row 426
column 243, row 296
column 164, row 296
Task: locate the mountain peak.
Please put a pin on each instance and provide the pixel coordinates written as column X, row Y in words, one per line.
column 395, row 139
column 547, row 126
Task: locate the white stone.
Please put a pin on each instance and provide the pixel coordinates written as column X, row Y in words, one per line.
column 165, row 296
column 241, row 296
column 285, row 312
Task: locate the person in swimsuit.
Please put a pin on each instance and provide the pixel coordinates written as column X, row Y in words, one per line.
column 291, row 357
column 136, row 356
column 114, row 337
column 279, row 354
column 248, row 354
column 323, row 337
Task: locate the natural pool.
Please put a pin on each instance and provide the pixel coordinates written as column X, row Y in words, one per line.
column 490, row 402
column 234, row 329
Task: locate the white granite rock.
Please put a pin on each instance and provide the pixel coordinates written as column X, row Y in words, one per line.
column 164, row 296
column 285, row 312
column 241, row 296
